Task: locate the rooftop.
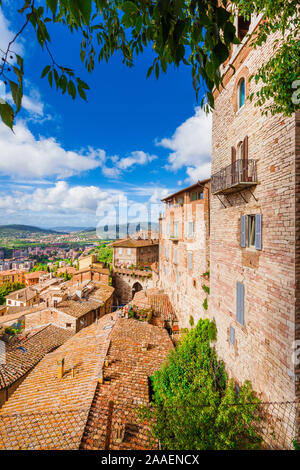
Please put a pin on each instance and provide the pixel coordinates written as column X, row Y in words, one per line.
column 77, row 308
column 197, row 185
column 23, row 295
column 35, row 274
column 77, row 411
column 131, row 243
column 24, row 354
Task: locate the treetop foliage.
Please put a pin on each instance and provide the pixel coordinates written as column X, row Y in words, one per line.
column 197, row 33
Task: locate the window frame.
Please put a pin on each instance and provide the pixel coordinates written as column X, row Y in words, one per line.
column 240, row 82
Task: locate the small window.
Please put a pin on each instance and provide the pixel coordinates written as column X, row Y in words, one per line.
column 176, row 229
column 242, row 27
column 232, row 335
column 241, row 93
column 251, row 231
column 180, row 200
column 175, row 255
column 190, row 229
column 120, row 251
column 128, row 251
column 196, row 195
column 68, row 325
column 177, row 279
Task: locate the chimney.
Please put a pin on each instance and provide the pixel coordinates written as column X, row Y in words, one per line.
column 100, row 378
column 60, row 368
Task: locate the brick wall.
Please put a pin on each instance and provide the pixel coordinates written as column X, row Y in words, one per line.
column 263, row 347
column 182, row 283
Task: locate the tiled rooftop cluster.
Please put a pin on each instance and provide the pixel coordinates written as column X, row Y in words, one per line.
column 77, row 411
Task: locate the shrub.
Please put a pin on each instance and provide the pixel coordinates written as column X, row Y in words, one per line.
column 194, row 406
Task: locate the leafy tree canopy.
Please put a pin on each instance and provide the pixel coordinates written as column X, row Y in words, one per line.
column 7, row 288
column 197, row 33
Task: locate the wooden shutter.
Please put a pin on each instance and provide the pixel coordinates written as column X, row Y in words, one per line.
column 243, row 231
column 258, row 239
column 240, row 300
column 233, row 154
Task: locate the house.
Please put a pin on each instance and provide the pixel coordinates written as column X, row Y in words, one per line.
column 12, row 275
column 74, row 398
column 184, row 251
column 22, row 298
column 130, row 252
column 34, row 278
column 23, row 355
column 254, row 235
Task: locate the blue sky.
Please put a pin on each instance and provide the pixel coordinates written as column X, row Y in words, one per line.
column 135, row 140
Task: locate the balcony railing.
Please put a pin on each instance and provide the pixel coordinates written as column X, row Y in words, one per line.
column 239, row 175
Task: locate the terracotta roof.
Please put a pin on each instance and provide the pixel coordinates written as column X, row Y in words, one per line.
column 101, row 293
column 199, row 184
column 132, row 243
column 13, row 313
column 35, row 274
column 23, row 355
column 48, row 413
column 93, row 267
column 12, row 271
column 116, row 402
column 77, row 308
column 22, row 295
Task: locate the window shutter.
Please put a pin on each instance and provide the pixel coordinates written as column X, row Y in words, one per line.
column 233, row 154
column 258, row 240
column 240, row 300
column 245, row 148
column 243, row 231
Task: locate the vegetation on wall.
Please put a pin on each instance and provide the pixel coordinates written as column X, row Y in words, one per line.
column 194, row 405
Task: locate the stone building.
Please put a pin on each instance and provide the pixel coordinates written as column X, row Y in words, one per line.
column 184, row 251
column 23, row 297
column 132, row 267
column 254, row 236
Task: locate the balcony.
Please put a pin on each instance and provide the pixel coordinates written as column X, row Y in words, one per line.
column 239, row 175
column 174, row 237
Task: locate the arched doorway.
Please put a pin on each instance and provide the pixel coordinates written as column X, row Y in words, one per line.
column 136, row 288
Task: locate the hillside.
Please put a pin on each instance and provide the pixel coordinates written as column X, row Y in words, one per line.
column 15, row 229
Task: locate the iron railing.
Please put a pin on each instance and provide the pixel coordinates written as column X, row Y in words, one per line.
column 241, row 173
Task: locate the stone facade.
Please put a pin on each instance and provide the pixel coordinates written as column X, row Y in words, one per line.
column 127, row 282
column 135, row 252
column 258, row 347
column 184, row 251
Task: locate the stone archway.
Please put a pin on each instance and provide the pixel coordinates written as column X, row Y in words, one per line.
column 137, row 286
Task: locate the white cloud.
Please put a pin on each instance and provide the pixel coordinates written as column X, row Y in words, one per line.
column 191, row 146
column 6, row 35
column 25, row 156
column 138, row 157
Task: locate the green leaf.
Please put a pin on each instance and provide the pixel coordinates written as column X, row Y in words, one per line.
column 7, row 114
column 63, row 82
column 81, row 93
column 50, row 78
column 45, row 71
column 72, row 89
column 85, row 7
column 129, row 8
column 52, row 4
column 16, row 92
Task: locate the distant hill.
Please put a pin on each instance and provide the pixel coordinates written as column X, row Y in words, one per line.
column 15, row 229
column 70, row 229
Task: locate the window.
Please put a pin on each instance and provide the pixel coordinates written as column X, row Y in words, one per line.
column 120, row 251
column 68, row 325
column 241, row 93
column 190, row 231
column 242, row 27
column 190, row 260
column 251, row 231
column 180, row 200
column 232, row 335
column 194, row 196
column 128, row 251
column 176, row 229
column 175, row 255
column 240, row 301
column 177, row 279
